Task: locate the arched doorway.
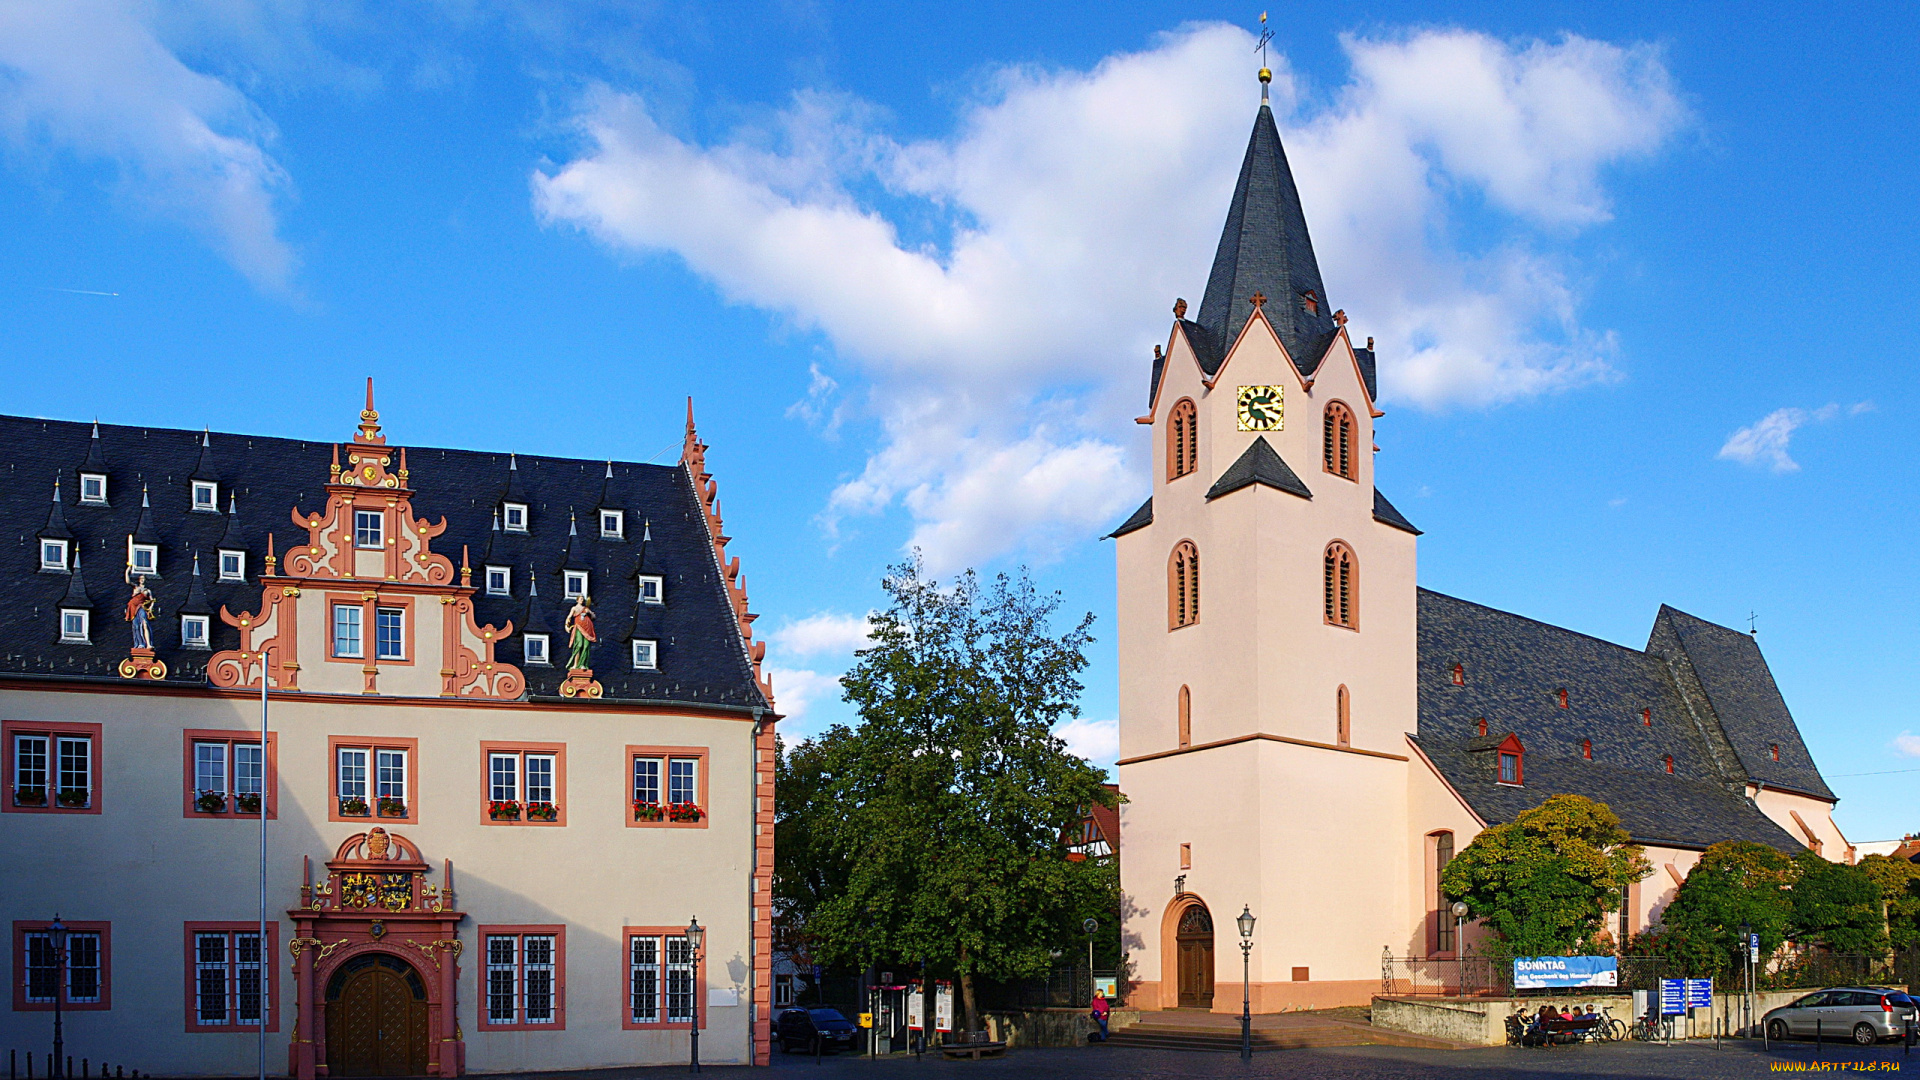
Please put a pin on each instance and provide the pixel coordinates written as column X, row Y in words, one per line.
column 1194, row 939
column 376, row 1018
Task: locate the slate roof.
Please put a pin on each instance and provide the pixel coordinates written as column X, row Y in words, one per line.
column 1514, row 668
column 1140, row 519
column 1259, row 463
column 1384, row 512
column 701, row 655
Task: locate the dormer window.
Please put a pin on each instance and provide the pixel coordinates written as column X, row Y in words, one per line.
column 1775, row 751
column 1563, row 697
column 1669, row 764
column 73, row 625
column 1311, row 302
column 1459, row 675
column 499, row 581
column 369, row 529
column 1482, row 725
column 144, row 559
column 206, row 496
column 576, row 583
column 1586, row 749
column 534, row 648
column 53, row 555
column 1509, row 768
column 613, row 524
column 1646, row 717
column 233, row 565
column 645, row 655
column 93, row 489
column 193, row 631
column 652, row 589
column 1510, row 761
column 514, row 517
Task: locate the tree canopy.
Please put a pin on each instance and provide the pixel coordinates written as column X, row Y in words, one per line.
column 1736, row 883
column 1837, row 906
column 934, row 830
column 1545, row 881
column 1899, row 883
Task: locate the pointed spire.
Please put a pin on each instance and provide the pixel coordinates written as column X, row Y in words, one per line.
column 369, row 420
column 536, row 621
column 76, row 596
column 205, row 469
column 143, row 530
column 515, row 491
column 576, row 549
column 233, row 539
column 56, row 528
column 96, row 461
column 196, row 596
column 1264, row 249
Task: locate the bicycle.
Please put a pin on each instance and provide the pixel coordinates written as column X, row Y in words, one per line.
column 1614, row 1030
column 1645, row 1030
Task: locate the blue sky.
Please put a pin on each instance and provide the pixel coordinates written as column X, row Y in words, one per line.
column 1642, row 280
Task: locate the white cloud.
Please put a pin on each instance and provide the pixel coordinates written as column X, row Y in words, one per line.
column 822, row 632
column 1096, row 740
column 1907, row 744
column 796, row 691
column 1765, row 441
column 91, row 79
column 1070, row 207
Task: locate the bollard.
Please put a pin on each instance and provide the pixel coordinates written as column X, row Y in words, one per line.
column 1817, row 1038
column 816, row 1048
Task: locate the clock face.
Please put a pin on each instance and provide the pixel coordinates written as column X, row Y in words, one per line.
column 1259, row 408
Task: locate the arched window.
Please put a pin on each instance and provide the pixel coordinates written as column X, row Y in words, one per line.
column 1183, row 439
column 1343, row 706
column 1336, row 442
column 1342, row 587
column 1183, row 585
column 1186, row 717
column 1442, row 914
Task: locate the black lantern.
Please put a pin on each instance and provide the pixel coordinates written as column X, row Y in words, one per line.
column 1246, row 921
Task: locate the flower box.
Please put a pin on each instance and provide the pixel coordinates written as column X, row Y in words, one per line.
column 542, row 811
column 29, row 796
column 247, row 802
column 648, row 811
column 503, row 810
column 685, row 811
column 72, row 798
column 393, row 808
column 210, row 802
column 353, row 806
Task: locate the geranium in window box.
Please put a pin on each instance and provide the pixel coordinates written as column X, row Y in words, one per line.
column 29, row 796
column 542, row 811
column 684, row 811
column 503, row 810
column 248, row 802
column 353, row 806
column 72, row 798
column 647, row 811
column 210, row 802
column 392, row 807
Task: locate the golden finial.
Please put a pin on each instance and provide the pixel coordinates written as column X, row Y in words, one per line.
column 1266, row 73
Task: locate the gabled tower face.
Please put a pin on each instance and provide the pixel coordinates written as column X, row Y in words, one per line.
column 1267, row 622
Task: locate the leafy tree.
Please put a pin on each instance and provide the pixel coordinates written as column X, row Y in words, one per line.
column 934, row 830
column 1545, row 881
column 1899, row 882
column 1735, row 883
column 1836, row 906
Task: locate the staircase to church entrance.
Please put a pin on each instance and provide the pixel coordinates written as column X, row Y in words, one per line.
column 1185, row 1029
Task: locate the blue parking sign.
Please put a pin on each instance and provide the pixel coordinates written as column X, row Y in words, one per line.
column 1699, row 993
column 1673, row 997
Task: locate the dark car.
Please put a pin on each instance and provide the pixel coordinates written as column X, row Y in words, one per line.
column 797, row 1028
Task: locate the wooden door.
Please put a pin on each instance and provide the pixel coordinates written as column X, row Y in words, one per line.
column 1195, row 943
column 377, row 1026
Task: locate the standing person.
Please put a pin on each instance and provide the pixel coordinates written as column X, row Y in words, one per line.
column 580, row 633
column 1101, row 1009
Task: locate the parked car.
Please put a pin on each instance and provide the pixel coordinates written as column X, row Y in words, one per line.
column 795, row 1029
column 1865, row 1014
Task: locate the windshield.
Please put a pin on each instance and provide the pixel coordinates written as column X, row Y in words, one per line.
column 825, row 1016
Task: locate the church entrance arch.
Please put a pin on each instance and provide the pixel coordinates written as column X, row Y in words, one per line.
column 1194, row 944
column 376, row 1015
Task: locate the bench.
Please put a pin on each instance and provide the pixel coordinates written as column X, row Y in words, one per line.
column 972, row 1045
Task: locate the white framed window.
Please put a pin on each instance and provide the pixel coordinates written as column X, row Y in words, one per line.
column 681, row 776
column 352, row 773
column 535, row 648
column 73, row 625
column 65, row 779
column 389, row 630
column 30, row 764
column 643, row 979
column 144, row 558
column 390, row 775
column 646, row 781
column 227, row 986
column 233, row 565
column 679, row 980
column 206, row 496
column 514, row 516
column 346, row 631
column 653, row 589
column 221, row 769
column 194, row 630
column 522, row 980
column 83, row 974
column 576, row 583
column 369, row 529
column 513, row 774
column 645, row 655
column 93, row 489
column 503, row 777
column 782, row 991
column 53, row 554
column 655, row 995
column 613, row 524
column 499, row 581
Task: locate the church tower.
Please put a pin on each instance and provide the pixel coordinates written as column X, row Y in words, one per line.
column 1267, row 637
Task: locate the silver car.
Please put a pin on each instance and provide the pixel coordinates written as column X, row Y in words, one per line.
column 1865, row 1014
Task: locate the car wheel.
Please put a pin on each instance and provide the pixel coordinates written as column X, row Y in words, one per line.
column 1777, row 1030
column 1864, row 1035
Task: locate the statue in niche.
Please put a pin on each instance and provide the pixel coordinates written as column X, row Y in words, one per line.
column 141, row 609
column 580, row 633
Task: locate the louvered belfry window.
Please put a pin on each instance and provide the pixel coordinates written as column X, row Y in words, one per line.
column 1342, row 587
column 1183, row 439
column 1336, row 442
column 1183, row 585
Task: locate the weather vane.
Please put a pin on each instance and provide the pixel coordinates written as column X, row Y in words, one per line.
column 1753, row 625
column 1266, row 74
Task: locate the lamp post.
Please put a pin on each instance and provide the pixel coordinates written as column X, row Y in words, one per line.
column 1459, row 910
column 58, row 932
column 696, row 936
column 1246, row 982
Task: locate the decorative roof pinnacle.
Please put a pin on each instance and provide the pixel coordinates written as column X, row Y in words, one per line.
column 370, row 421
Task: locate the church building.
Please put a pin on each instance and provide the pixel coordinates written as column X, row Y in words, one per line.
column 503, row 717
column 1307, row 734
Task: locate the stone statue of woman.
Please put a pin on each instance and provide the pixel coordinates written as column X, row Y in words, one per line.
column 580, row 633
column 141, row 608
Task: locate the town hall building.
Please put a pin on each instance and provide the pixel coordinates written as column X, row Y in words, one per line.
column 1307, row 734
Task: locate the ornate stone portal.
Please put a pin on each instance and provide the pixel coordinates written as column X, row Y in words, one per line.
column 375, row 926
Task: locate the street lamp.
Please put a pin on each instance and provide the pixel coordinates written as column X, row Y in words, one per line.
column 1459, row 910
column 58, row 931
column 1246, row 984
column 696, row 936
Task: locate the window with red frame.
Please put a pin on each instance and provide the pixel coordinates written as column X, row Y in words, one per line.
column 1509, row 768
column 231, row 977
column 524, row 978
column 666, row 787
column 53, row 768
column 79, row 974
column 227, row 775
